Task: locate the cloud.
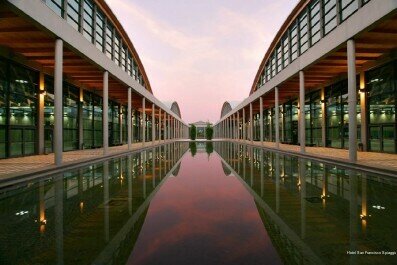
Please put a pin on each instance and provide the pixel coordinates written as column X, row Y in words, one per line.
column 203, row 68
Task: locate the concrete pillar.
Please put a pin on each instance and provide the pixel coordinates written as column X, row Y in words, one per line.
column 58, row 104
column 244, row 131
column 261, row 120
column 251, row 124
column 143, row 120
column 238, row 125
column 41, row 115
column 323, row 120
column 277, row 113
column 363, row 108
column 105, row 113
column 153, row 124
column 352, row 101
column 159, row 125
column 302, row 129
column 80, row 122
column 129, row 118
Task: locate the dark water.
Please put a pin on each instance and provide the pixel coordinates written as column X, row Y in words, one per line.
column 217, row 203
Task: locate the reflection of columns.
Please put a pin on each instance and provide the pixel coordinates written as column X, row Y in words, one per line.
column 363, row 107
column 144, row 173
column 261, row 120
column 352, row 99
column 251, row 124
column 106, row 199
column 159, row 128
column 364, row 210
column 105, row 112
column 262, row 172
column 238, row 125
column 143, row 120
column 58, row 196
column 129, row 182
column 277, row 119
column 129, row 108
column 58, row 104
column 244, row 160
column 251, row 157
column 302, row 129
column 244, row 131
column 302, row 177
column 154, row 167
column 353, row 214
column 277, row 182
column 42, row 217
column 325, row 186
column 153, row 124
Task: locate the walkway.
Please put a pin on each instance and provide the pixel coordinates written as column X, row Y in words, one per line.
column 12, row 167
column 380, row 161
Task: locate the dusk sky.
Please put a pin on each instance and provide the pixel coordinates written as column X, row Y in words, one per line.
column 201, row 53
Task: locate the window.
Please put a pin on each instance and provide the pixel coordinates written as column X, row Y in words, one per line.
column 279, row 59
column 348, row 7
column 330, row 19
column 109, row 41
column 100, row 23
column 315, row 25
column 294, row 42
column 129, row 65
column 88, row 21
column 117, row 44
column 273, row 63
column 123, row 58
column 56, row 6
column 303, row 33
column 267, row 72
column 73, row 11
column 285, row 51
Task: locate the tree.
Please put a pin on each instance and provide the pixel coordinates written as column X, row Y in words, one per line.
column 193, row 148
column 209, row 132
column 193, row 131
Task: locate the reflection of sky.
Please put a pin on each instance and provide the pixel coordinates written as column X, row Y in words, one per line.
column 201, row 53
column 203, row 217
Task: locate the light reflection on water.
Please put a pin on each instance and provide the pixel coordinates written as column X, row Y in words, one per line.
column 219, row 203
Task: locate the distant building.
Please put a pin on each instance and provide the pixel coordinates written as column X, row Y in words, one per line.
column 200, row 128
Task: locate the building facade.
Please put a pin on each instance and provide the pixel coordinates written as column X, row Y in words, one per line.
column 70, row 79
column 336, row 59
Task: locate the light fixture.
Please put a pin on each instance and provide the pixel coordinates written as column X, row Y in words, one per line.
column 362, row 90
column 43, row 92
column 322, row 101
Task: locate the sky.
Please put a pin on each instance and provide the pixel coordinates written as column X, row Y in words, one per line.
column 201, row 53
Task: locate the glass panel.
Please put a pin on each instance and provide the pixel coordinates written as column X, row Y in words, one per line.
column 374, row 136
column 99, row 30
column 2, row 142
column 389, row 139
column 303, row 33
column 56, row 6
column 88, row 21
column 73, row 12
column 315, row 25
column 294, row 42
column 330, row 19
column 348, row 7
column 109, row 41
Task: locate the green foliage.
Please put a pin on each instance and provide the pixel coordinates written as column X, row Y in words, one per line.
column 209, row 148
column 209, row 132
column 193, row 131
column 193, row 148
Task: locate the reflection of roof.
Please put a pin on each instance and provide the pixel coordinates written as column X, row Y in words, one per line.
column 228, row 106
column 174, row 107
column 200, row 123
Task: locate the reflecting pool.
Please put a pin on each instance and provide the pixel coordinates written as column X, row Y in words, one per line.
column 201, row 203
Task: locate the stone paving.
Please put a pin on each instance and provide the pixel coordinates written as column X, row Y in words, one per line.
column 22, row 165
column 369, row 159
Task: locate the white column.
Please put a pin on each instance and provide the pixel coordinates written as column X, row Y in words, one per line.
column 261, row 119
column 302, row 129
column 105, row 113
column 352, row 101
column 159, row 125
column 143, row 121
column 58, row 106
column 277, row 112
column 153, row 124
column 251, row 124
column 238, row 125
column 129, row 109
column 243, row 127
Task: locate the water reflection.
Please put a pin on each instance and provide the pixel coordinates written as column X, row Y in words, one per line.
column 315, row 212
column 90, row 215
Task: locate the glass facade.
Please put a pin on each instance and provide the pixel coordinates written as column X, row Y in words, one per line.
column 316, row 20
column 381, row 104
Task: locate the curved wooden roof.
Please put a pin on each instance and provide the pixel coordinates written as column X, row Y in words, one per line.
column 291, row 18
column 116, row 23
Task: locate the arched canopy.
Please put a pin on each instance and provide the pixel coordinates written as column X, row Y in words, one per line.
column 228, row 106
column 174, row 107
